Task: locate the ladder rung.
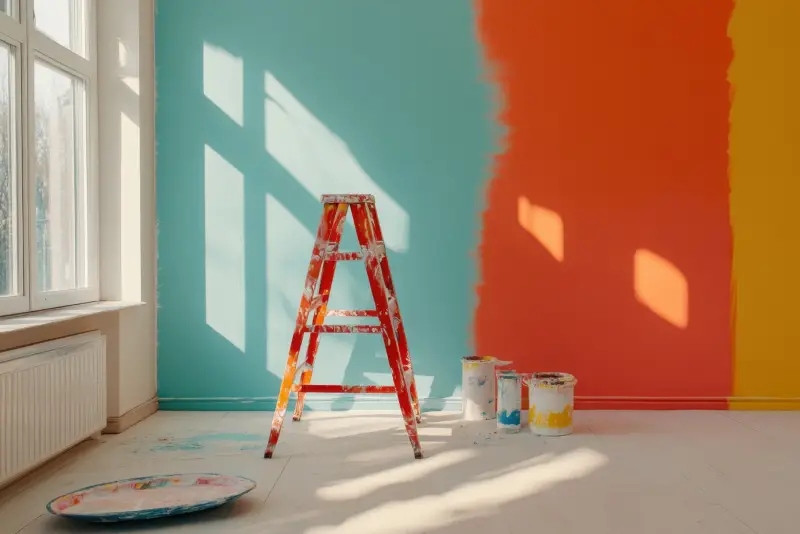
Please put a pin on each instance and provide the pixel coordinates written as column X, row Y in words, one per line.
column 352, row 313
column 347, row 199
column 343, row 329
column 313, row 388
column 344, row 256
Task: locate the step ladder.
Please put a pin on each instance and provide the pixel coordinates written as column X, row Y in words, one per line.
column 322, row 267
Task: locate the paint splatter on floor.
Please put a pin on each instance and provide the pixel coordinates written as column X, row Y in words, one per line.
column 482, row 438
column 215, row 442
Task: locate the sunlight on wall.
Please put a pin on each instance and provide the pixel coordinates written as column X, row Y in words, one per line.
column 224, row 235
column 543, row 224
column 131, row 81
column 122, row 53
column 472, row 499
column 662, row 287
column 321, row 162
column 289, row 246
column 357, row 488
column 132, row 84
column 223, row 81
column 131, row 210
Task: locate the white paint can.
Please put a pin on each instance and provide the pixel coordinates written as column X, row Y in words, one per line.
column 552, row 400
column 509, row 401
column 478, row 387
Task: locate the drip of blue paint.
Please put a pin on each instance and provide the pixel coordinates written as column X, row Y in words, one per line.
column 475, row 381
column 508, row 418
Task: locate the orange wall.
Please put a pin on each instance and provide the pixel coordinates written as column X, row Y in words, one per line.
column 607, row 248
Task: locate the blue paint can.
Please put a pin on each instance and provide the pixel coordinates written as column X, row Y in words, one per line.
column 509, row 401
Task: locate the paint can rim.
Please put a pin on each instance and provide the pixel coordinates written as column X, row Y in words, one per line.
column 476, row 359
column 551, row 379
column 507, row 374
column 484, row 359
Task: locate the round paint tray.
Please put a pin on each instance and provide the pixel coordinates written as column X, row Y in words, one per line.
column 150, row 497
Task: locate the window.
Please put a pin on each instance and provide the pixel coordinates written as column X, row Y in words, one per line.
column 9, row 183
column 63, row 21
column 48, row 191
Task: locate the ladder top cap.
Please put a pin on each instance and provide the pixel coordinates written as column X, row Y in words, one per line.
column 347, row 199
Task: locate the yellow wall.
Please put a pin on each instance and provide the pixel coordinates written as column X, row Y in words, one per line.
column 765, row 201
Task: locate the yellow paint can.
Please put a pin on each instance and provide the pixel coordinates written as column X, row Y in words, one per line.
column 551, row 403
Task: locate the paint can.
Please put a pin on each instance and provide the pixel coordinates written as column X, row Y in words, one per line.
column 478, row 387
column 552, row 400
column 509, row 401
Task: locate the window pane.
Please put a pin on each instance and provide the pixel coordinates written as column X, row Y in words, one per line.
column 60, row 192
column 5, row 6
column 63, row 21
column 8, row 177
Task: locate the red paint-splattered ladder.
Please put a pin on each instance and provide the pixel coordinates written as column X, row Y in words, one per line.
column 322, row 267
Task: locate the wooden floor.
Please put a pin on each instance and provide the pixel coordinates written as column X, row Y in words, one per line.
column 354, row 472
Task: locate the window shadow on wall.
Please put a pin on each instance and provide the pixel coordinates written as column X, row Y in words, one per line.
column 262, row 107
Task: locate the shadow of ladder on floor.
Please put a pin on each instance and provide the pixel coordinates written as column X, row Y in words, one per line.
column 322, row 267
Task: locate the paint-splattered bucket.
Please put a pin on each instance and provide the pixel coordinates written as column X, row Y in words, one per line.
column 478, row 387
column 509, row 401
column 552, row 400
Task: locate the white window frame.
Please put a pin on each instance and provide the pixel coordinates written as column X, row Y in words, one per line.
column 19, row 31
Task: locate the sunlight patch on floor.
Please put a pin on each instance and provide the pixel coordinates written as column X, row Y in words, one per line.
column 472, row 499
column 358, row 487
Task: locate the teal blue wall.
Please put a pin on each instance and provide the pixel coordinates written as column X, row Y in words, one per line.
column 401, row 86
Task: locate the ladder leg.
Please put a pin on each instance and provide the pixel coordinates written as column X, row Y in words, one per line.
column 405, row 356
column 315, row 265
column 311, row 352
column 402, row 342
column 285, row 392
column 305, row 379
column 325, row 283
column 397, row 319
column 404, row 397
column 366, row 237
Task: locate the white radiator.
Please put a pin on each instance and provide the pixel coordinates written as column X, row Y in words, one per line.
column 52, row 396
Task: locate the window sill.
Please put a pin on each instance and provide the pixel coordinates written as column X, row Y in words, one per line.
column 24, row 321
